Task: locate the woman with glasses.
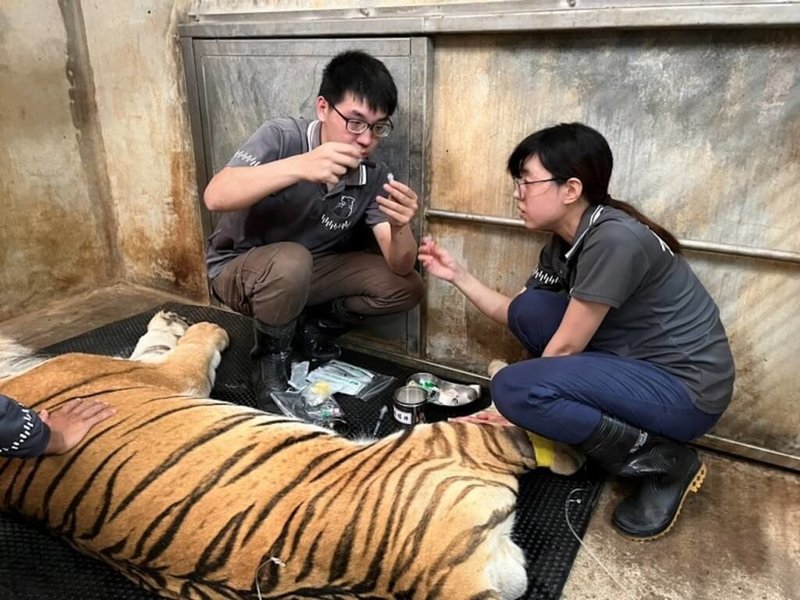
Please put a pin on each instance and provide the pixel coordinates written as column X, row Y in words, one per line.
column 300, row 201
column 631, row 358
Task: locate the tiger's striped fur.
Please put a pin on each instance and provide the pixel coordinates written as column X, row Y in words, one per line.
column 197, row 498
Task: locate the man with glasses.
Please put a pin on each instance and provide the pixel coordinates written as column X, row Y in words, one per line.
column 315, row 236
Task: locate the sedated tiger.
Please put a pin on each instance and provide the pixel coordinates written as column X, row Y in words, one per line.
column 193, row 497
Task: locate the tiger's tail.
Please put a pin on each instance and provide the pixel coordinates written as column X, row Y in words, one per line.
column 16, row 359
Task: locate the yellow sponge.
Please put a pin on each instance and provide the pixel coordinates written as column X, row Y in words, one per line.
column 543, row 450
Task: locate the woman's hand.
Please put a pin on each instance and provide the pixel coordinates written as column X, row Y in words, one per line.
column 488, row 416
column 69, row 424
column 438, row 261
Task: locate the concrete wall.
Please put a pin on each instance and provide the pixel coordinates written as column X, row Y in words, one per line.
column 148, row 153
column 55, row 214
column 705, row 129
column 97, row 180
column 234, row 6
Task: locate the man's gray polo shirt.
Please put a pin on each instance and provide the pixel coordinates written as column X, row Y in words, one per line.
column 306, row 213
column 660, row 312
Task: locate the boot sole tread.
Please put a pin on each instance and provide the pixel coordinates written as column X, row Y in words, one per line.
column 694, row 486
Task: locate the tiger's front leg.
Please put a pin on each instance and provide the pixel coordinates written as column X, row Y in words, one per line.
column 194, row 361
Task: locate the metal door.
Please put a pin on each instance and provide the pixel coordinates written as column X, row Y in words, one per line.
column 236, row 85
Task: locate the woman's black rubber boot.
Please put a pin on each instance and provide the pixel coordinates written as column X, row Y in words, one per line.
column 668, row 472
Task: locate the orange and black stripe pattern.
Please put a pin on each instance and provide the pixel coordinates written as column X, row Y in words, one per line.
column 197, row 498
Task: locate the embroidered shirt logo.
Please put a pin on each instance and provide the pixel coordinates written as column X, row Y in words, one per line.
column 338, row 217
column 543, row 277
column 344, row 207
column 246, row 157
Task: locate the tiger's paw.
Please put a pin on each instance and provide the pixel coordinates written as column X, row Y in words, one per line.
column 560, row 458
column 208, row 334
column 566, row 460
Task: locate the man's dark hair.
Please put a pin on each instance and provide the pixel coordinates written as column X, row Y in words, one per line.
column 362, row 75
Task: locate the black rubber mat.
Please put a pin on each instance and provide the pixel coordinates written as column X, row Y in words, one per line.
column 35, row 565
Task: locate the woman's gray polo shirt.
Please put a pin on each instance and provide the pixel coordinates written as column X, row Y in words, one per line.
column 660, row 312
column 306, row 213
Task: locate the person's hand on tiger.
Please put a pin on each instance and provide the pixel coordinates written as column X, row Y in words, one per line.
column 489, row 416
column 69, row 424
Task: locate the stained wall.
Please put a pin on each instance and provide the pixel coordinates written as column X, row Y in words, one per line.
column 97, row 180
column 704, row 126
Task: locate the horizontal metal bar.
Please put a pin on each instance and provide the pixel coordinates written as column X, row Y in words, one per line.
column 695, row 245
column 419, row 364
column 492, row 17
column 433, row 213
column 736, row 250
column 756, row 453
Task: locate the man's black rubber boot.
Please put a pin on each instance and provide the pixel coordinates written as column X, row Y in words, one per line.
column 321, row 325
column 668, row 472
column 316, row 344
column 270, row 352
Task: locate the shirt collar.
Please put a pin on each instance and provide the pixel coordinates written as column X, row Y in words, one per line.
column 314, row 134
column 588, row 219
column 355, row 177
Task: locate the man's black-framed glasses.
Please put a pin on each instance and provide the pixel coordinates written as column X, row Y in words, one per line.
column 519, row 182
column 380, row 128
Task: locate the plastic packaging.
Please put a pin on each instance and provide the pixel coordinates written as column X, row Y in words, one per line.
column 311, row 406
column 351, row 380
column 443, row 392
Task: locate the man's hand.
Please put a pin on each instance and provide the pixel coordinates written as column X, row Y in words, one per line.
column 72, row 422
column 328, row 162
column 401, row 204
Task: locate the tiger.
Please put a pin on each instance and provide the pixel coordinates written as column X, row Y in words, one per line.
column 193, row 497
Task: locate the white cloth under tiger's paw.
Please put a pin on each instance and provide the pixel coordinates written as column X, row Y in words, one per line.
column 163, row 332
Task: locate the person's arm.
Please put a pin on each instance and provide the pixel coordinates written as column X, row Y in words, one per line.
column 235, row 188
column 395, row 238
column 578, row 326
column 610, row 267
column 25, row 434
column 439, row 263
